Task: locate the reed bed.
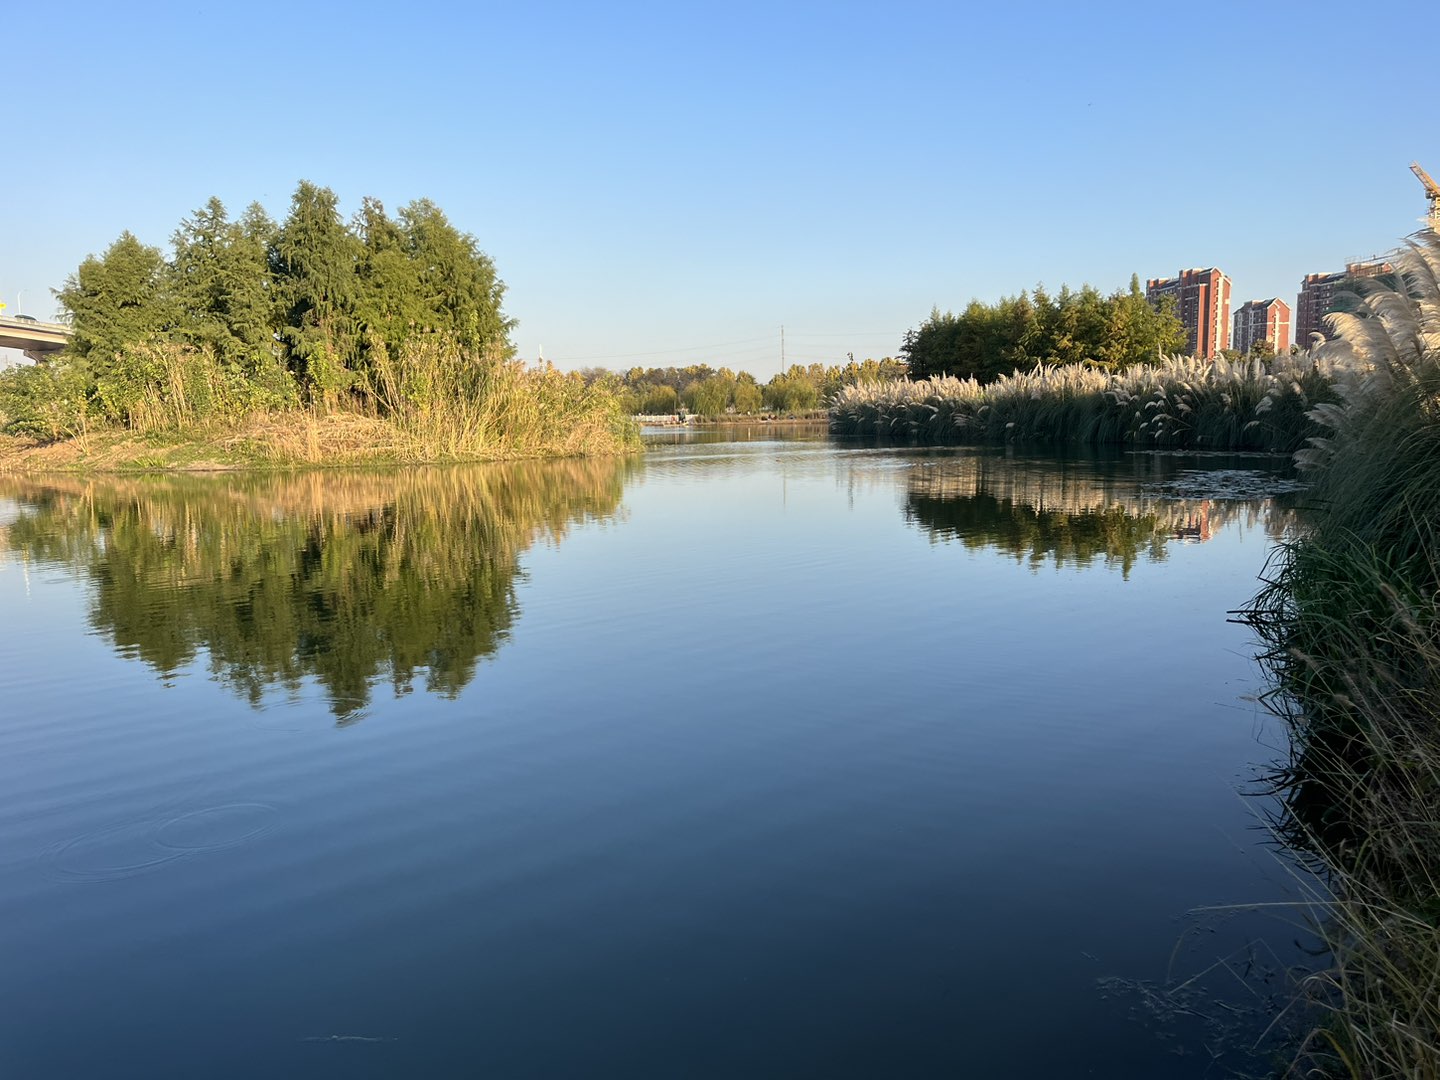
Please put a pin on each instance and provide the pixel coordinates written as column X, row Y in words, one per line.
column 1350, row 618
column 1179, row 403
column 164, row 405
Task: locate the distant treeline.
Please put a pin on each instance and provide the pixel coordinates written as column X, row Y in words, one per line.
column 706, row 391
column 987, row 341
column 396, row 318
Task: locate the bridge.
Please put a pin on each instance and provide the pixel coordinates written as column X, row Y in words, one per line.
column 37, row 340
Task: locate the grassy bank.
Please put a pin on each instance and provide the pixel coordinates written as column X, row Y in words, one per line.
column 165, row 406
column 1181, row 403
column 1350, row 616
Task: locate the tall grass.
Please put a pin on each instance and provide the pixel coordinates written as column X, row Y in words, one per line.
column 1181, row 403
column 455, row 404
column 1350, row 616
column 430, row 400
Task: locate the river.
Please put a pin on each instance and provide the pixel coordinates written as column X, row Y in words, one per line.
column 756, row 756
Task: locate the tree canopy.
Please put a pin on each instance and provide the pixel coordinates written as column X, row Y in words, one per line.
column 312, row 297
column 986, row 341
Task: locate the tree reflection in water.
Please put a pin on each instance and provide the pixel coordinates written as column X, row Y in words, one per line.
column 346, row 578
column 1066, row 513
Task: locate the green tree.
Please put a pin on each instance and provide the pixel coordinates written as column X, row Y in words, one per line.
column 986, row 341
column 661, row 400
column 221, row 280
column 792, row 391
column 747, row 395
column 709, row 396
column 391, row 304
column 120, row 298
column 457, row 281
column 313, row 261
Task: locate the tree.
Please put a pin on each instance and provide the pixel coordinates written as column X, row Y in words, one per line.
column 747, row 395
column 989, row 340
column 458, row 284
column 792, row 391
column 313, row 261
column 709, row 396
column 220, row 275
column 118, row 299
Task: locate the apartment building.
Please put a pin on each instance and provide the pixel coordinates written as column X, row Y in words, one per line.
column 1262, row 320
column 1319, row 294
column 1202, row 300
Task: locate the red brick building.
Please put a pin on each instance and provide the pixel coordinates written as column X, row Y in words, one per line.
column 1262, row 320
column 1202, row 300
column 1318, row 296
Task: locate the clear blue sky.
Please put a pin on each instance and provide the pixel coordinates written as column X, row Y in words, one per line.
column 671, row 182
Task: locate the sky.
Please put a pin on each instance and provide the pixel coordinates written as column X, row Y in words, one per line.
column 673, row 183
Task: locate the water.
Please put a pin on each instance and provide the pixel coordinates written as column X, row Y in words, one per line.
column 767, row 757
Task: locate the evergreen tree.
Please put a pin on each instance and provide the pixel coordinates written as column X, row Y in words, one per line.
column 314, row 260
column 119, row 299
column 221, row 280
column 1084, row 326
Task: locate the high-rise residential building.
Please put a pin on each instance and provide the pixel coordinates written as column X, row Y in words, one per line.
column 1318, row 296
column 1202, row 300
column 1262, row 320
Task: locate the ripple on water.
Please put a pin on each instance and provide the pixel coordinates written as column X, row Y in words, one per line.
column 216, row 828
column 131, row 848
column 109, row 854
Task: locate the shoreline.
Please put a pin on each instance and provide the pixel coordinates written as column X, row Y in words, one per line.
column 674, row 420
column 280, row 443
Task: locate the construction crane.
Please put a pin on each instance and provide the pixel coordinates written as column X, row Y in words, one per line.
column 1432, row 192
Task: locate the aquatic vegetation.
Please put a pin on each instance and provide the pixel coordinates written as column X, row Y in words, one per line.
column 1350, row 617
column 1182, row 402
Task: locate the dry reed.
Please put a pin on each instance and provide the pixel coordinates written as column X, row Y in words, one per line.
column 1180, row 403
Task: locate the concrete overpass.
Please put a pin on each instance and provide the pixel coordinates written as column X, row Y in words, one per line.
column 37, row 340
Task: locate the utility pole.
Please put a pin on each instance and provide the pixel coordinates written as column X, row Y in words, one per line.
column 782, row 348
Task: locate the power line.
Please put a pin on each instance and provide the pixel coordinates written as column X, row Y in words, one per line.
column 843, row 333
column 788, row 335
column 666, row 352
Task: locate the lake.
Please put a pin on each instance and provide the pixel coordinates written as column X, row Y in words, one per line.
column 757, row 756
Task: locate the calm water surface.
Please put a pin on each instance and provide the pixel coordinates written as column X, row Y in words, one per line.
column 753, row 758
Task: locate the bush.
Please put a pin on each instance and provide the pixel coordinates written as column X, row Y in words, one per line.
column 48, row 401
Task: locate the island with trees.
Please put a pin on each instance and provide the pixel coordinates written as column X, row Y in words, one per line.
column 312, row 340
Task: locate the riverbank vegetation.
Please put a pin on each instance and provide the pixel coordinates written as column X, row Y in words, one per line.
column 1176, row 403
column 1351, row 620
column 388, row 333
